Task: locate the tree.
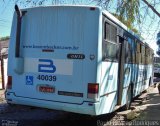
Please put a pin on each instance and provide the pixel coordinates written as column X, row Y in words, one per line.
column 128, row 11
column 152, row 7
column 4, row 38
column 126, row 22
column 133, row 13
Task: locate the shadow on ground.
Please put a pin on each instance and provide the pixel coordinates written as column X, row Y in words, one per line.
column 31, row 116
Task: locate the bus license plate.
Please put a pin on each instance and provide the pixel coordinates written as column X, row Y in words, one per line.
column 46, row 89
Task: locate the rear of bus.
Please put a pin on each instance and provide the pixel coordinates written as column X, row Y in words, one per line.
column 57, row 63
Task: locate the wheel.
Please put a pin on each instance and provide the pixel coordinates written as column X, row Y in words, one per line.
column 150, row 82
column 10, row 104
column 128, row 98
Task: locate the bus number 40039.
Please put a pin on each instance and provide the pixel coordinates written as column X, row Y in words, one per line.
column 46, row 77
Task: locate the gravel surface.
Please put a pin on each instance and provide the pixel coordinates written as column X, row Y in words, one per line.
column 18, row 115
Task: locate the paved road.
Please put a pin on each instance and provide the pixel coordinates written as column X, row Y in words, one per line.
column 150, row 109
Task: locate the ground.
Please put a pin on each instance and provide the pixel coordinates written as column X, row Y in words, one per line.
column 145, row 108
column 151, row 107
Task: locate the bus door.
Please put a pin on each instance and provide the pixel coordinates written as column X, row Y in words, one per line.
column 121, row 69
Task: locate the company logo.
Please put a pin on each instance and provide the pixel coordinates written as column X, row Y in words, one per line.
column 46, row 66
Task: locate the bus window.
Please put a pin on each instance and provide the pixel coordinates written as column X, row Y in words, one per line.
column 133, row 51
column 110, row 47
column 127, row 52
column 110, row 51
column 113, row 36
column 130, row 51
column 140, row 53
column 110, row 33
column 147, row 55
column 137, row 52
column 143, row 54
column 106, row 33
column 140, row 48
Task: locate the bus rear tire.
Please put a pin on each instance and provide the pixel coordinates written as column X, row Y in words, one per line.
column 150, row 81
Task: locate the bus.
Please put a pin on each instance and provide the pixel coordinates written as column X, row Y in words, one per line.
column 78, row 59
column 157, row 67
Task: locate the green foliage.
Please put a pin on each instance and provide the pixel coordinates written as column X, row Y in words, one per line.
column 4, row 38
column 128, row 11
column 126, row 22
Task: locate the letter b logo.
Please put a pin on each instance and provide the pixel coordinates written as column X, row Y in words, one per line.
column 46, row 65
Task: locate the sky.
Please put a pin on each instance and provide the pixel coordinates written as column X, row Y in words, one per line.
column 7, row 10
column 149, row 29
column 6, row 14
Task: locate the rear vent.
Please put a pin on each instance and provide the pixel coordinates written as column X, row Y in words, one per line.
column 74, row 94
column 47, row 50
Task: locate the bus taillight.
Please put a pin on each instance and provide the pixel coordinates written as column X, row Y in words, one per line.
column 93, row 89
column 9, row 82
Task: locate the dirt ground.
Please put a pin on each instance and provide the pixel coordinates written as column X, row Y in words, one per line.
column 17, row 115
column 146, row 113
column 150, row 108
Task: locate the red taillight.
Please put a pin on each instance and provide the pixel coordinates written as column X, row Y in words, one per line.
column 9, row 82
column 93, row 89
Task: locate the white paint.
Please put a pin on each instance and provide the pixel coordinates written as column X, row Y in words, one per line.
column 63, row 67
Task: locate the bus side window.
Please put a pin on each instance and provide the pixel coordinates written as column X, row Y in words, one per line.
column 128, row 52
column 143, row 54
column 138, row 53
column 110, row 32
column 110, row 47
column 147, row 55
column 106, row 31
column 133, row 51
column 110, row 51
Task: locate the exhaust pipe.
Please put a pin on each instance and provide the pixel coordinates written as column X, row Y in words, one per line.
column 19, row 67
column 18, row 32
column 18, row 11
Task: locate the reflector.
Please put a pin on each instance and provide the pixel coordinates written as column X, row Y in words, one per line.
column 9, row 82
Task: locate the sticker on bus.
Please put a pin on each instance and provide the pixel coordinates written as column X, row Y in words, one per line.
column 29, row 80
column 48, row 66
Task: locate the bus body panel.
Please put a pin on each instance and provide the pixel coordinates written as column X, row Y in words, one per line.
column 63, row 31
column 76, row 108
column 108, row 87
column 62, row 47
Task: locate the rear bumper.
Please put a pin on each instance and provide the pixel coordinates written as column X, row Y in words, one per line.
column 83, row 108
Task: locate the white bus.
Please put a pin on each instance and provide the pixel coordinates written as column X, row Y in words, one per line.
column 78, row 59
column 157, row 67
